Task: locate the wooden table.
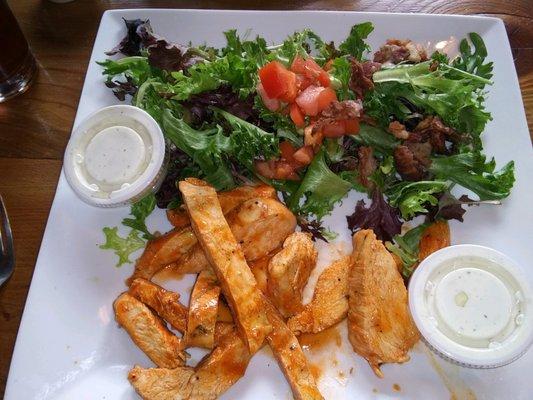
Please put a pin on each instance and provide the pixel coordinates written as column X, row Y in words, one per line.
column 35, row 127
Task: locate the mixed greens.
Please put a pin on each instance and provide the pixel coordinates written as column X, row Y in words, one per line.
column 403, row 128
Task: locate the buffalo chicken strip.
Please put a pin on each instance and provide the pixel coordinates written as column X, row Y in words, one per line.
column 214, row 375
column 330, row 300
column 290, row 357
column 203, row 310
column 380, row 328
column 288, row 272
column 228, row 201
column 148, row 332
column 227, row 260
column 260, row 225
column 164, row 302
column 163, row 251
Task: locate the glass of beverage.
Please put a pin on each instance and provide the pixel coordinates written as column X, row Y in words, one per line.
column 17, row 64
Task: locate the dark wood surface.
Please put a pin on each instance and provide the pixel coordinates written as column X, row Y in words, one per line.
column 35, row 127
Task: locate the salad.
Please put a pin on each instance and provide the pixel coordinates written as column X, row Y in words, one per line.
column 316, row 120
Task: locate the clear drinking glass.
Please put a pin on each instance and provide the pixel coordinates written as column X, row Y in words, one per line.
column 17, row 64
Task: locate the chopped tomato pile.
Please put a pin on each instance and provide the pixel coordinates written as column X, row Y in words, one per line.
column 303, row 92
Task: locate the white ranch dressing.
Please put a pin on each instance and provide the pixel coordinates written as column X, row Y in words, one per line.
column 115, row 156
column 471, row 306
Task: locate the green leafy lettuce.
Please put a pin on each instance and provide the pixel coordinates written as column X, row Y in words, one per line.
column 140, row 211
column 406, row 247
column 412, row 198
column 473, row 172
column 320, row 189
column 355, row 44
column 123, row 247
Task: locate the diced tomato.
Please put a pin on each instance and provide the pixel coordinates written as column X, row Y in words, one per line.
column 304, row 155
column 334, row 130
column 298, row 65
column 307, row 100
column 296, row 115
column 271, row 104
column 278, row 81
column 309, row 68
column 352, row 126
column 326, row 97
column 287, row 150
column 303, row 82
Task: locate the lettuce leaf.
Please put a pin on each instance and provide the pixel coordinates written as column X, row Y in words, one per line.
column 406, row 247
column 140, row 211
column 123, row 247
column 354, row 44
column 412, row 198
column 321, row 189
column 471, row 171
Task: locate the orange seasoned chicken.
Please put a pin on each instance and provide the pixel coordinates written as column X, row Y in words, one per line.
column 215, row 374
column 290, row 357
column 288, row 272
column 260, row 270
column 379, row 323
column 163, row 251
column 226, row 257
column 164, row 302
column 228, row 201
column 148, row 332
column 260, row 225
column 203, row 310
column 435, row 237
column 330, row 300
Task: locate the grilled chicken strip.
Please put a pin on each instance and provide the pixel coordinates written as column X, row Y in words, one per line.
column 226, row 257
column 164, row 302
column 215, row 374
column 290, row 357
column 163, row 251
column 330, row 300
column 379, row 324
column 288, row 272
column 228, row 201
column 203, row 310
column 148, row 332
column 260, row 225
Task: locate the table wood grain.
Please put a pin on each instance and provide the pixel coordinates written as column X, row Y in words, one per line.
column 34, row 128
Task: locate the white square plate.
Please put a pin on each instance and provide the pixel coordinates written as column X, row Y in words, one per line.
column 70, row 347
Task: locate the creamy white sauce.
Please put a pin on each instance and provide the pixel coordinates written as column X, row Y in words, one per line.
column 115, row 156
column 473, row 301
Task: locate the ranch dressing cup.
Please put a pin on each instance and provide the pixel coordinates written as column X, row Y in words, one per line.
column 472, row 306
column 115, row 156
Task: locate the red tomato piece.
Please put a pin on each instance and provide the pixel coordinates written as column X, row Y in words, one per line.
column 303, row 82
column 296, row 115
column 278, row 81
column 325, row 98
column 334, row 130
column 304, row 155
column 265, row 168
column 352, row 126
column 307, row 100
column 310, row 69
column 323, row 78
column 298, row 65
column 271, row 104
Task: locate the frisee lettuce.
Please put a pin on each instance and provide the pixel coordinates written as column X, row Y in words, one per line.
column 122, row 247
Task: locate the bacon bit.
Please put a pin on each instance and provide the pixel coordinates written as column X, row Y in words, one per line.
column 407, row 165
column 367, row 165
column 361, row 78
column 421, row 152
column 313, row 137
column 432, row 129
column 398, row 130
column 396, row 51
